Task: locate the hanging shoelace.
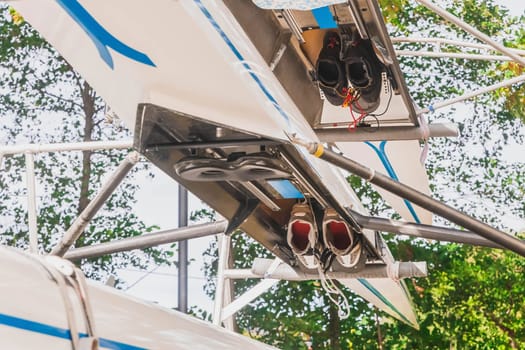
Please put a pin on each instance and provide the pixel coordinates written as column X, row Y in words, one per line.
column 335, row 294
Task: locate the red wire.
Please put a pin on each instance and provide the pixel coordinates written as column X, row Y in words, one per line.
column 362, row 114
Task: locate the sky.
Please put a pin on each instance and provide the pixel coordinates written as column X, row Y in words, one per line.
column 516, row 7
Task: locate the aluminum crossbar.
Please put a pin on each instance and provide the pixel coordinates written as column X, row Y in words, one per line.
column 472, row 94
column 387, row 133
column 147, row 240
column 423, row 231
column 397, row 270
column 440, row 41
column 31, row 202
column 406, row 192
column 62, row 147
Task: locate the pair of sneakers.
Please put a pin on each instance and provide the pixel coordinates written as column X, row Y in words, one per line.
column 341, row 65
column 338, row 237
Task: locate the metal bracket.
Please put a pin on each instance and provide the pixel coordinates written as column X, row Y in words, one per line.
column 245, row 209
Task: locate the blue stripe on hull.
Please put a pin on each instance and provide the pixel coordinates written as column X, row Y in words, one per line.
column 381, row 297
column 381, row 153
column 57, row 332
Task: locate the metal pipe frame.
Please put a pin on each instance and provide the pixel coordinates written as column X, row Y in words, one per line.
column 224, row 252
column 454, row 55
column 406, row 192
column 183, row 252
column 397, row 270
column 211, row 144
column 472, row 94
column 419, row 198
column 293, row 25
column 451, row 42
column 254, row 292
column 470, row 29
column 30, row 150
column 423, row 231
column 387, row 133
column 93, row 207
column 147, row 241
column 31, row 202
column 247, row 297
column 260, row 195
column 63, row 147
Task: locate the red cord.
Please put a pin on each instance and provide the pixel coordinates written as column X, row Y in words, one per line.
column 350, row 100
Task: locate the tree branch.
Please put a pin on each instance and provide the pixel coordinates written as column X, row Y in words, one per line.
column 509, row 332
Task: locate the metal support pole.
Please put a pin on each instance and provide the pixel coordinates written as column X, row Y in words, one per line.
column 416, row 197
column 247, row 297
column 454, row 55
column 147, row 240
column 229, row 288
column 470, row 29
column 396, row 270
column 386, row 133
column 252, row 293
column 62, row 147
column 224, row 252
column 440, row 41
column 423, row 231
column 472, row 94
column 92, row 208
column 183, row 251
column 31, row 202
column 426, row 202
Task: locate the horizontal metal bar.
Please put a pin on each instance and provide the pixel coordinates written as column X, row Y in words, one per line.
column 423, row 231
column 472, row 94
column 210, row 144
column 406, row 192
column 387, row 133
column 147, row 241
column 397, row 270
column 440, row 41
column 287, row 273
column 62, row 147
column 454, row 55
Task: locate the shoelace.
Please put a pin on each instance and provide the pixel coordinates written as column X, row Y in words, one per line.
column 331, row 289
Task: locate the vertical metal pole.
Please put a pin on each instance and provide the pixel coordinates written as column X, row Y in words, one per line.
column 224, row 252
column 31, row 202
column 183, row 251
column 229, row 323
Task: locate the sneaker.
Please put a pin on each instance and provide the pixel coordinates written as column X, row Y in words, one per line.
column 337, row 234
column 354, row 258
column 363, row 70
column 331, row 70
column 302, row 234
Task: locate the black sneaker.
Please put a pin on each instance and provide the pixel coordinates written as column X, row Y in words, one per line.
column 363, row 70
column 331, row 71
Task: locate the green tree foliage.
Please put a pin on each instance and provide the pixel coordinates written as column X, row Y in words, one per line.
column 43, row 100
